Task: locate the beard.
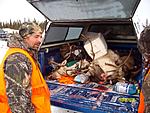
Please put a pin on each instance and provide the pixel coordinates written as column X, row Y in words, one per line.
column 36, row 46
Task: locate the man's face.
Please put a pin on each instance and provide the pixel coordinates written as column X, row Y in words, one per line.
column 34, row 40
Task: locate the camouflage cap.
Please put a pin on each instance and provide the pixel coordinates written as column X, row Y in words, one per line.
column 144, row 41
column 28, row 28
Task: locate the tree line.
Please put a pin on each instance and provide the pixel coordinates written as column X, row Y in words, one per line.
column 16, row 24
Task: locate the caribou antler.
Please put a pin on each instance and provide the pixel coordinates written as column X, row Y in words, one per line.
column 65, row 60
column 118, row 67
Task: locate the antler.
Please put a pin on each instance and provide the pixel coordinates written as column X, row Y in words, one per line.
column 118, row 67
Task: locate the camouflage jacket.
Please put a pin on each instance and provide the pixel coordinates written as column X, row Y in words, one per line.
column 18, row 72
column 146, row 91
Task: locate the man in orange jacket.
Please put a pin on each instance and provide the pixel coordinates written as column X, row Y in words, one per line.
column 144, row 47
column 23, row 89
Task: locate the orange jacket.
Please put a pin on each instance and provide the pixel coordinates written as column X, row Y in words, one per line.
column 141, row 104
column 40, row 92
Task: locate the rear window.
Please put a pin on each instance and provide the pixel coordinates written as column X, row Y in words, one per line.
column 62, row 34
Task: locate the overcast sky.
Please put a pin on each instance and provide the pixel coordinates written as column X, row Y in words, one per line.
column 18, row 10
column 141, row 15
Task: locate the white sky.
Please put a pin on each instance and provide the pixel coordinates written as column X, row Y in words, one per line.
column 18, row 10
column 141, row 15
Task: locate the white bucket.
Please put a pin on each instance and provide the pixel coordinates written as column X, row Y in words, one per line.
column 98, row 44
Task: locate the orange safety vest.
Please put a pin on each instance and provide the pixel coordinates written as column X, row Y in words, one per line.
column 40, row 92
column 141, row 104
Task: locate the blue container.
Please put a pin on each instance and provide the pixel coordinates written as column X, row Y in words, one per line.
column 90, row 100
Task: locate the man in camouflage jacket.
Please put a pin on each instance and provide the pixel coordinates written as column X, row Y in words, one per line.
column 18, row 68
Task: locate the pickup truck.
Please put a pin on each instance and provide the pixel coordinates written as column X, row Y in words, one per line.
column 69, row 35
